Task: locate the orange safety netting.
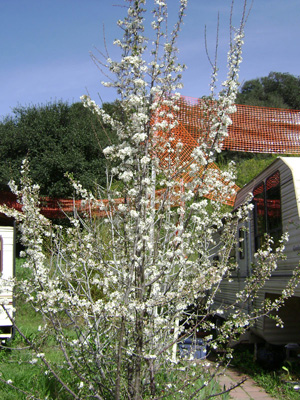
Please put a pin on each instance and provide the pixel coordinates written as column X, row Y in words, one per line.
column 264, row 130
column 254, row 129
column 179, row 160
column 60, row 208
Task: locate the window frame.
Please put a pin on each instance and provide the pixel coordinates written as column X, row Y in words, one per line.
column 1, row 254
column 274, row 232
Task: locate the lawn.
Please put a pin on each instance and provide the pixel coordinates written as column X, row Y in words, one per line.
column 279, row 382
column 19, row 365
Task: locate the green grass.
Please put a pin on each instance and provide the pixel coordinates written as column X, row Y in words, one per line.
column 277, row 382
column 15, row 365
column 184, row 373
column 16, row 362
column 16, row 359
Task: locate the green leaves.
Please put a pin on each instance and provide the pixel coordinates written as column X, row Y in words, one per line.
column 279, row 90
column 57, row 138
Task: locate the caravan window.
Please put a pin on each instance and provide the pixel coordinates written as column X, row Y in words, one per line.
column 267, row 209
column 259, row 214
column 242, row 247
column 1, row 254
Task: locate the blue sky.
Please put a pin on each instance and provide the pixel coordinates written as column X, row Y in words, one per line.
column 45, row 45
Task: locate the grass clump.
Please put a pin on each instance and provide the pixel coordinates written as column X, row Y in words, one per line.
column 278, row 381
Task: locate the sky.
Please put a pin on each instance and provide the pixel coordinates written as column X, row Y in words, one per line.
column 45, row 46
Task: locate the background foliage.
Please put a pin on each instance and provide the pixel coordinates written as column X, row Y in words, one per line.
column 278, row 90
column 57, row 138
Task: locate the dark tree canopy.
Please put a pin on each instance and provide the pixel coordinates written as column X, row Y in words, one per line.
column 279, row 90
column 57, row 138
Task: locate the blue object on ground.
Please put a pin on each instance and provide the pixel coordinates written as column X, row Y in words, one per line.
column 192, row 348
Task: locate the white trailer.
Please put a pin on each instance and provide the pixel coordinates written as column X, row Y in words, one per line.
column 276, row 199
column 7, row 272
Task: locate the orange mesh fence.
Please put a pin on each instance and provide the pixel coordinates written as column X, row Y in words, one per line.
column 264, row 130
column 193, row 128
column 254, row 129
column 59, row 208
column 182, row 161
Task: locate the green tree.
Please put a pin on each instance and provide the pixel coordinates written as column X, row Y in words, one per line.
column 57, row 138
column 279, row 90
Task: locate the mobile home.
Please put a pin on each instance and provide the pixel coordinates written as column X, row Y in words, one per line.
column 276, row 200
column 7, row 271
